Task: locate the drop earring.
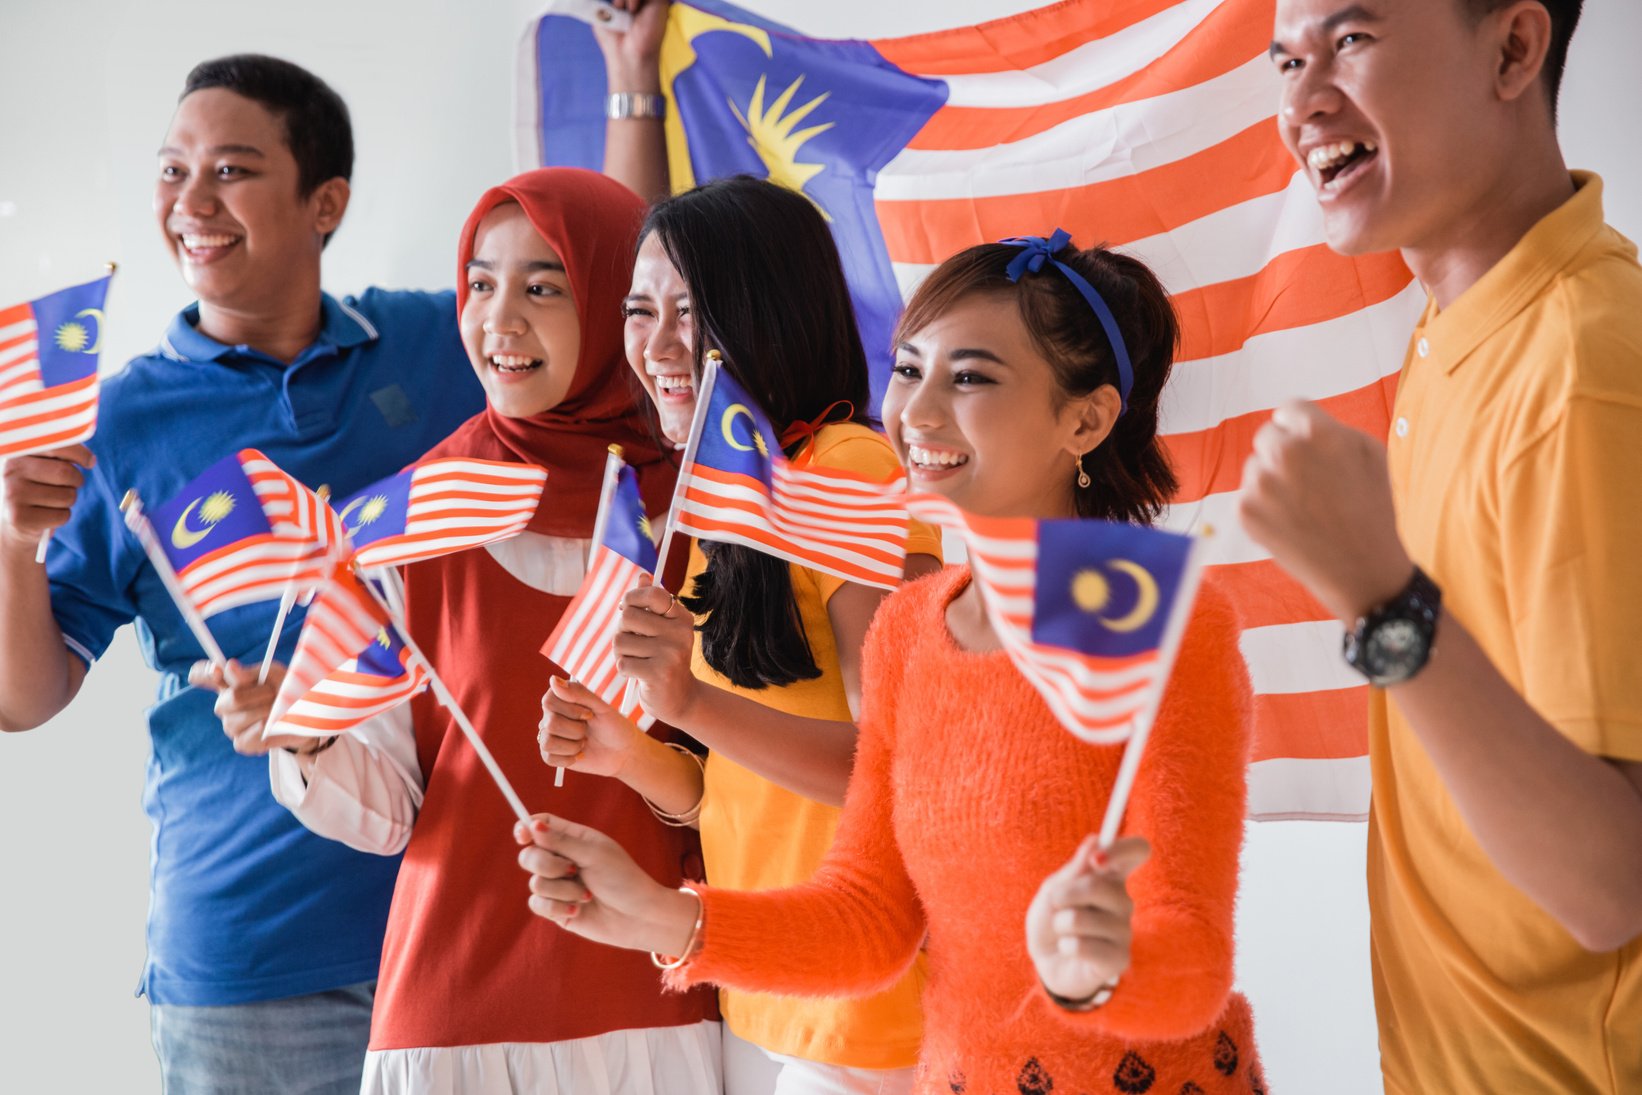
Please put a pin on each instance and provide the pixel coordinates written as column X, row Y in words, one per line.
column 1083, row 476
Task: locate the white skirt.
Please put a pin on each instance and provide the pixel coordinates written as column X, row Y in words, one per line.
column 683, row 1060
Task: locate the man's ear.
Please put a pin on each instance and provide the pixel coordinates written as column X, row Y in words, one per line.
column 1524, row 36
column 329, row 202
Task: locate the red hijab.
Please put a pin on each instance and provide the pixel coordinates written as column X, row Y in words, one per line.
column 593, row 223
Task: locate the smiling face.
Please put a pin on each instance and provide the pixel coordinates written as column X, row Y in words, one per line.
column 519, row 322
column 1389, row 105
column 228, row 203
column 659, row 334
column 975, row 413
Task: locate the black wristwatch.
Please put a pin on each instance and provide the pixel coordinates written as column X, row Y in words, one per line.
column 1394, row 641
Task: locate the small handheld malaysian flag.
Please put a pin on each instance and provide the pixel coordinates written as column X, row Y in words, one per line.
column 737, row 487
column 241, row 532
column 48, row 369
column 438, row 507
column 328, row 691
column 1090, row 612
column 623, row 556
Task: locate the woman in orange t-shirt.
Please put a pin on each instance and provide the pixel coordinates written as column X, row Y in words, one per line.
column 1027, row 383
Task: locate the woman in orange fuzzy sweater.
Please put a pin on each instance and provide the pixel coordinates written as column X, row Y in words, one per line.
column 969, row 809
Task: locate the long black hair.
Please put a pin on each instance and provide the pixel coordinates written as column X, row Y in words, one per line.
column 767, row 291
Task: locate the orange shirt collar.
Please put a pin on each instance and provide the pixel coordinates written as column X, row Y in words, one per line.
column 1518, row 279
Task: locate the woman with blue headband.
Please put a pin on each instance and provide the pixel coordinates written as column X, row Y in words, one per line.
column 1027, row 380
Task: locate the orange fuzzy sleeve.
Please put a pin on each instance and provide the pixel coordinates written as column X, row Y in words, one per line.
column 857, row 925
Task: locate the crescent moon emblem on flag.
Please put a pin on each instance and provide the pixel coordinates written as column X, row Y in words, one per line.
column 96, row 343
column 1145, row 605
column 347, row 511
column 729, row 421
column 217, row 505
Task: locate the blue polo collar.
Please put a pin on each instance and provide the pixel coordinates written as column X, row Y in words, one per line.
column 342, row 328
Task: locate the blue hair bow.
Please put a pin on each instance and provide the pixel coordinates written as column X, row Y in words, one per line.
column 1035, row 251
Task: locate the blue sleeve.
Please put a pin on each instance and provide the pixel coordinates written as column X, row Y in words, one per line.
column 93, row 563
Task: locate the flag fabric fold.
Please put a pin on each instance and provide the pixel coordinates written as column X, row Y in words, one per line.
column 350, row 663
column 438, row 507
column 1147, row 125
column 737, row 487
column 48, row 369
column 243, row 531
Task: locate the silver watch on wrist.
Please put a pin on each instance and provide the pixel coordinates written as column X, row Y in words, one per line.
column 634, row 104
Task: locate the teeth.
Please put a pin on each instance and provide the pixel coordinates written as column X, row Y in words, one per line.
column 194, row 243
column 1325, row 156
column 935, row 458
column 675, row 383
column 511, row 361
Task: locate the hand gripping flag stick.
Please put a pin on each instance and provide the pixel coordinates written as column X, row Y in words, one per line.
column 393, row 603
column 137, row 521
column 1124, row 785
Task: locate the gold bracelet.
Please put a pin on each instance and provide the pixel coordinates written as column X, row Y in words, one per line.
column 663, row 963
column 690, row 816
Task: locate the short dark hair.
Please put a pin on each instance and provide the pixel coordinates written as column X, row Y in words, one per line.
column 1564, row 18
column 1130, row 475
column 317, row 128
column 767, row 291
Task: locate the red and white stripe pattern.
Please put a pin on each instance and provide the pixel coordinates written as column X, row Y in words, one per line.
column 1150, row 125
column 456, row 504
column 297, row 553
column 825, row 519
column 583, row 644
column 33, row 417
column 1095, row 698
column 320, row 696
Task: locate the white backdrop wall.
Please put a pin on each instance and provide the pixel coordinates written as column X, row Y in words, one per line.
column 86, row 89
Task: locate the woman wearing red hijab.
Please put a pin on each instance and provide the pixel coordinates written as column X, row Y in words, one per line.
column 475, row 994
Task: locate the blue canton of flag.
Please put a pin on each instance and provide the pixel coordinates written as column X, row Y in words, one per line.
column 749, row 96
column 381, row 509
column 1106, row 589
column 217, row 510
column 48, row 369
column 736, row 437
column 627, row 529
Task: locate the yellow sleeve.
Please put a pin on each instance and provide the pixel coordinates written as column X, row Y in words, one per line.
column 1571, row 513
column 867, row 453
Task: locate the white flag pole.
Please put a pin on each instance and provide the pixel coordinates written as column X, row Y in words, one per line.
column 601, row 521
column 709, row 377
column 137, row 521
column 286, row 600
column 1173, row 632
column 448, row 701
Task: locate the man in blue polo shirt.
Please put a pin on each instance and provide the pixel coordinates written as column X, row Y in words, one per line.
column 263, row 940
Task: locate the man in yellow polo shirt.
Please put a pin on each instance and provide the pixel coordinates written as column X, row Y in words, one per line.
column 1505, row 838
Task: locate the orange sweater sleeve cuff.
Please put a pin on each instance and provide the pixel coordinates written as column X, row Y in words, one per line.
column 1178, row 982
column 806, row 941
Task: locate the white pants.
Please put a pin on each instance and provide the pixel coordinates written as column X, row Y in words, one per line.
column 749, row 1070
